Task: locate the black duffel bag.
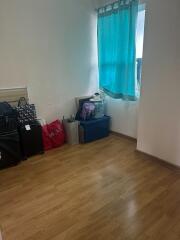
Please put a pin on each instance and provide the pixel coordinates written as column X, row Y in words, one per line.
column 8, row 117
column 7, row 111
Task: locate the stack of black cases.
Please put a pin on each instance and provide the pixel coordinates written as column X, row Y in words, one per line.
column 31, row 139
column 10, row 151
column 17, row 141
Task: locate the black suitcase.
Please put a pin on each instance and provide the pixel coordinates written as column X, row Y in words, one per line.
column 7, row 124
column 31, row 139
column 10, row 152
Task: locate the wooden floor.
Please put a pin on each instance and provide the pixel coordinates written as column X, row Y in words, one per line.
column 104, row 190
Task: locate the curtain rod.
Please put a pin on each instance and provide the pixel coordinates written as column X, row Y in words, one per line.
column 106, row 5
column 141, row 3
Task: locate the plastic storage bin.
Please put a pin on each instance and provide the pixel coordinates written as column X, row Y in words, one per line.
column 94, row 129
column 99, row 109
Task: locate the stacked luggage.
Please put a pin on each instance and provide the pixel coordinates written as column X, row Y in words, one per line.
column 30, row 129
column 31, row 139
column 10, row 151
column 94, row 124
column 20, row 133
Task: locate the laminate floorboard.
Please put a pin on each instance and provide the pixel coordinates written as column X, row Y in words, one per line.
column 103, row 190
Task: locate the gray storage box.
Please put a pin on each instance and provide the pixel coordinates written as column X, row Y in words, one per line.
column 72, row 131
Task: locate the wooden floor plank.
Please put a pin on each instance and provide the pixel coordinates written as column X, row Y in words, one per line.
column 102, row 190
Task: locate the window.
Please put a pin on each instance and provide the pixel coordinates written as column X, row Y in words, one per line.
column 120, row 48
column 139, row 44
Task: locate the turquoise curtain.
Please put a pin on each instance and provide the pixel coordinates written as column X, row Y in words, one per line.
column 117, row 49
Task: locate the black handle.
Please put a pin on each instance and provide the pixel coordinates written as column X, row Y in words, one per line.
column 22, row 102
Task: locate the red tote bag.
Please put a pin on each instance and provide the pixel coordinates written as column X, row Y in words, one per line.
column 46, row 138
column 53, row 135
column 56, row 133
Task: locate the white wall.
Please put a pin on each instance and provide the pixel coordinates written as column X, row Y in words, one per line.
column 124, row 116
column 49, row 46
column 159, row 114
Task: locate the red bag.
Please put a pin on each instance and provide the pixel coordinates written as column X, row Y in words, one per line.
column 46, row 138
column 56, row 133
column 53, row 135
